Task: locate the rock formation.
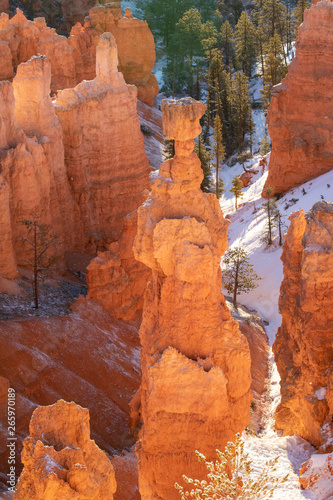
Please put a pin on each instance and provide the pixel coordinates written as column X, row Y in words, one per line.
column 195, row 362
column 33, row 173
column 303, row 346
column 300, row 115
column 87, row 356
column 79, row 163
column 4, row 6
column 104, row 151
column 73, row 59
column 60, row 460
column 61, row 14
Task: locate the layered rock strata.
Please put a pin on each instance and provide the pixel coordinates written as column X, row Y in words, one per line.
column 195, row 362
column 73, row 59
column 104, row 152
column 300, row 114
column 303, row 346
column 60, row 460
column 33, row 174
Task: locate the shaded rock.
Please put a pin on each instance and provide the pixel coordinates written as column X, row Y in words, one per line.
column 195, row 362
column 303, row 348
column 60, row 460
column 300, row 115
column 126, row 470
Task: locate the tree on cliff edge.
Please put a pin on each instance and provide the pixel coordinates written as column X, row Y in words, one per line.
column 41, row 240
column 239, row 276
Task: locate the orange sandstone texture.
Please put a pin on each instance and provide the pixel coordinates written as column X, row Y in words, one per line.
column 195, row 390
column 4, row 5
column 60, row 460
column 300, row 115
column 104, row 152
column 303, row 346
column 73, row 59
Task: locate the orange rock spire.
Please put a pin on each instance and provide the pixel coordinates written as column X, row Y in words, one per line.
column 195, row 362
column 300, row 115
column 303, row 346
column 60, row 460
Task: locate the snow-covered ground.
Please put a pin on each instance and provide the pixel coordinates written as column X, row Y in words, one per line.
column 246, row 229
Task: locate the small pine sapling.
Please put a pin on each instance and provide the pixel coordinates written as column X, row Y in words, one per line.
column 278, row 219
column 230, row 477
column 41, row 240
column 237, row 185
column 264, row 146
column 239, row 276
column 270, row 208
column 205, row 159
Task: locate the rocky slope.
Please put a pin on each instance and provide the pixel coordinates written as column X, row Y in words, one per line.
column 300, row 115
column 60, row 460
column 73, row 59
column 88, row 357
column 303, row 348
column 195, row 362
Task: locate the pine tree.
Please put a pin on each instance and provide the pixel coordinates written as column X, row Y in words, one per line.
column 229, row 477
column 278, row 219
column 264, row 145
column 219, row 153
column 273, row 17
column 239, row 276
column 275, row 69
column 245, row 37
column 239, row 97
column 41, row 239
column 227, row 43
column 205, row 159
column 301, row 6
column 237, row 186
column 270, row 208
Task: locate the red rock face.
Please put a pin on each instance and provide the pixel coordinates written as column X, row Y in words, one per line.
column 300, row 115
column 104, row 151
column 87, row 356
column 195, row 362
column 60, row 460
column 73, row 59
column 303, row 347
column 4, row 5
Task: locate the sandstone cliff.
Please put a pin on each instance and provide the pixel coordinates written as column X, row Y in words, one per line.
column 86, row 356
column 300, row 115
column 303, row 348
column 60, row 460
column 73, row 59
column 195, row 362
column 33, row 173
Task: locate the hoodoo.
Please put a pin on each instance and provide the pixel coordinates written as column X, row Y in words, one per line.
column 195, row 362
column 60, row 460
column 299, row 118
column 303, row 345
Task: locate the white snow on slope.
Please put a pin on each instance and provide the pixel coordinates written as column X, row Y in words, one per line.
column 246, row 229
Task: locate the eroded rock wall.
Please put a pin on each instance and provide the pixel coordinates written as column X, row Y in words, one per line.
column 104, row 151
column 299, row 118
column 73, row 59
column 303, row 346
column 195, row 362
column 60, row 460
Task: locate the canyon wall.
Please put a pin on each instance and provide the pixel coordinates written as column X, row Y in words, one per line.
column 303, row 346
column 60, row 460
column 195, row 362
column 299, row 118
column 73, row 59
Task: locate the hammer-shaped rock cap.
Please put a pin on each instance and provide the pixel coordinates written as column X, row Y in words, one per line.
column 181, row 118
